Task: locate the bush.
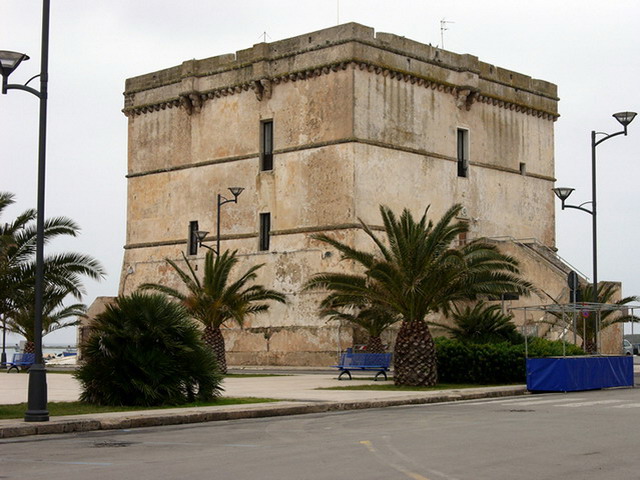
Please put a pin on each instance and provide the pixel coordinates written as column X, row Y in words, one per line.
column 539, row 347
column 482, row 324
column 145, row 351
column 492, row 363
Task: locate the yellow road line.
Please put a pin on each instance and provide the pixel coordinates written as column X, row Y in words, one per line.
column 369, row 445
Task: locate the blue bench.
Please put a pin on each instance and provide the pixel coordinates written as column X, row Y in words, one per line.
column 21, row 361
column 379, row 362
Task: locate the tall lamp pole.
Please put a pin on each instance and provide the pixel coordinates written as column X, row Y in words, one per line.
column 3, row 356
column 37, row 399
column 201, row 234
column 625, row 118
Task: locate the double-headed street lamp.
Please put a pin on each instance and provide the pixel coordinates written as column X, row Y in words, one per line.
column 625, row 118
column 201, row 234
column 9, row 61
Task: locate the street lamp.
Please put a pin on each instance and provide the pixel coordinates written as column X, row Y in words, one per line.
column 624, row 118
column 9, row 61
column 3, row 356
column 201, row 234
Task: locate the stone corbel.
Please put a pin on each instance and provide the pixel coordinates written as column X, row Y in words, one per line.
column 185, row 103
column 262, row 88
column 465, row 97
column 191, row 102
column 196, row 102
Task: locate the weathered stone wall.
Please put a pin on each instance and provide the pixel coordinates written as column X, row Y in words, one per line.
column 360, row 119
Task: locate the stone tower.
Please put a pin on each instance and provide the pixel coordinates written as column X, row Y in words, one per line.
column 319, row 130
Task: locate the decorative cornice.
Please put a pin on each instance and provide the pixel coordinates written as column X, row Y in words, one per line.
column 169, row 243
column 465, row 96
column 362, row 141
column 240, row 236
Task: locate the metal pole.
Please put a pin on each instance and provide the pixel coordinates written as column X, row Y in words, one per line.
column 3, row 357
column 594, row 216
column 218, row 226
column 564, row 331
column 574, row 298
column 598, row 339
column 526, row 335
column 37, row 398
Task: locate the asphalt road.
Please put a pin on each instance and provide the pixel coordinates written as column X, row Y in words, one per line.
column 583, row 435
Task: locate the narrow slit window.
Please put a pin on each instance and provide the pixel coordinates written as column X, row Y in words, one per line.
column 463, row 152
column 523, row 168
column 192, row 245
column 265, row 231
column 266, row 145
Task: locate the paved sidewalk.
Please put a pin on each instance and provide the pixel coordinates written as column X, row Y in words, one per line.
column 298, row 393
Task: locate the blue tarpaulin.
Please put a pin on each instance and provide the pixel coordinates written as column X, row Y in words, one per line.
column 567, row 374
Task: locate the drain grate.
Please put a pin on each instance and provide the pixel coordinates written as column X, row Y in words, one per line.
column 112, row 444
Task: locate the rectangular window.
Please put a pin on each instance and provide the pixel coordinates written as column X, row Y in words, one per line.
column 192, row 244
column 462, row 239
column 463, row 152
column 266, row 145
column 265, row 230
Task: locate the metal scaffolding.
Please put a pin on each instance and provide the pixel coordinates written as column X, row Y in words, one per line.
column 568, row 317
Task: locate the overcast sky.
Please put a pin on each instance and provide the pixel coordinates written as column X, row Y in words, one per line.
column 589, row 49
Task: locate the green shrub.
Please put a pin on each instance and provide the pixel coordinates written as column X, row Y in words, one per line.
column 482, row 323
column 145, row 350
column 539, row 347
column 491, row 363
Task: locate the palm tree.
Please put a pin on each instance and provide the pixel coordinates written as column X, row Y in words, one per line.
column 63, row 272
column 482, row 323
column 55, row 315
column 416, row 272
column 372, row 320
column 145, row 350
column 215, row 300
column 587, row 327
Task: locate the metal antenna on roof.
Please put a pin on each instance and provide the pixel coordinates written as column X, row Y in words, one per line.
column 443, row 28
column 264, row 37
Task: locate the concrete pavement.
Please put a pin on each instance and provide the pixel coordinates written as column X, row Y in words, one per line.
column 299, row 394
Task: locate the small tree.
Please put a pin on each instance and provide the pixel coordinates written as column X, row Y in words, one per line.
column 371, row 320
column 215, row 299
column 63, row 273
column 482, row 323
column 587, row 327
column 55, row 315
column 145, row 350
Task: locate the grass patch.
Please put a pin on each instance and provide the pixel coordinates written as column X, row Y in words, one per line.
column 57, row 409
column 396, row 388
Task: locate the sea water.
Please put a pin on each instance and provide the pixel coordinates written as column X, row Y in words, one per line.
column 47, row 350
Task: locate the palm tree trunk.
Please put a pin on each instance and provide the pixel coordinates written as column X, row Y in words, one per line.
column 414, row 360
column 375, row 345
column 29, row 347
column 589, row 346
column 212, row 337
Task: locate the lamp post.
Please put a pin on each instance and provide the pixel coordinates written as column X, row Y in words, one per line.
column 9, row 61
column 3, row 356
column 624, row 118
column 201, row 234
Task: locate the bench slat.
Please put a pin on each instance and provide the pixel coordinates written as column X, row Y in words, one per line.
column 379, row 362
column 364, row 361
column 21, row 360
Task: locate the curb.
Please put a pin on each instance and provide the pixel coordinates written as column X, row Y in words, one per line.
column 155, row 418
